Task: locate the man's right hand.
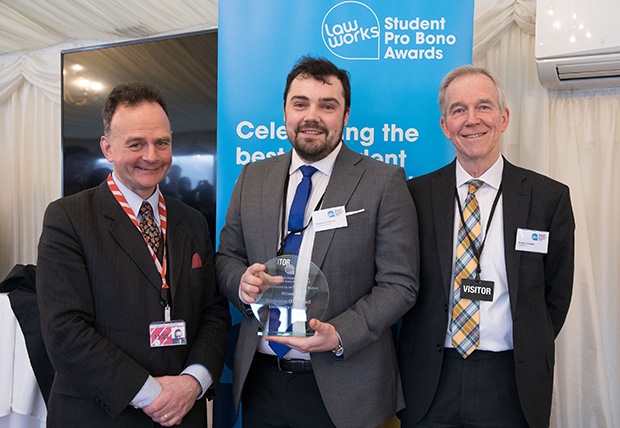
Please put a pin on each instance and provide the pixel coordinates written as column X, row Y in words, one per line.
column 254, row 281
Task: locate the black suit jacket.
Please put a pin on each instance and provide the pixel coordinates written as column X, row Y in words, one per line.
column 99, row 290
column 540, row 286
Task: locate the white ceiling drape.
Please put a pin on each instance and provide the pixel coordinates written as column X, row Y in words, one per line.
column 572, row 136
column 34, row 24
column 494, row 17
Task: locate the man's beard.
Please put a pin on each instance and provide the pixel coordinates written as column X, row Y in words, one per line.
column 311, row 149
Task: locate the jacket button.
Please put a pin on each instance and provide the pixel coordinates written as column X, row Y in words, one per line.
column 439, row 348
column 445, row 307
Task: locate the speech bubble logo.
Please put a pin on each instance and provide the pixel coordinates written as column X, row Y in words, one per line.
column 351, row 30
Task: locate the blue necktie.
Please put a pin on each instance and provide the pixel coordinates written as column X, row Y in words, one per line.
column 278, row 348
column 293, row 241
column 298, row 210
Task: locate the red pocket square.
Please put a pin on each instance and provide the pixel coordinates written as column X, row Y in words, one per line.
column 196, row 262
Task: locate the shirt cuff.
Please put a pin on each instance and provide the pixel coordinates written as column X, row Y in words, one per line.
column 147, row 394
column 202, row 375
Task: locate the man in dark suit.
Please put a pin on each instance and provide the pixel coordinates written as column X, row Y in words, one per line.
column 485, row 358
column 110, row 297
column 346, row 374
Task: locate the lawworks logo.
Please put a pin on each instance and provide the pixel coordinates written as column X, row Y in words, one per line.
column 351, row 31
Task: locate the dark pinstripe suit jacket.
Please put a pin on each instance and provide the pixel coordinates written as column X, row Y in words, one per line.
column 98, row 292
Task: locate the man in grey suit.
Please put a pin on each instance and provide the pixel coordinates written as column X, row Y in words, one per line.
column 346, row 374
column 110, row 297
column 491, row 364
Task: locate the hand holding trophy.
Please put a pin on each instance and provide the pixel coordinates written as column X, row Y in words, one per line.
column 286, row 308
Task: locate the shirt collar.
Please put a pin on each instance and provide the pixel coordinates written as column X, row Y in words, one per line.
column 325, row 165
column 492, row 176
column 135, row 201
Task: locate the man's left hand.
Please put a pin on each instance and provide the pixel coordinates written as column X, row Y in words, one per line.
column 324, row 339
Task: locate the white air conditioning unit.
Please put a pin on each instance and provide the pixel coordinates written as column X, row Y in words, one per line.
column 578, row 43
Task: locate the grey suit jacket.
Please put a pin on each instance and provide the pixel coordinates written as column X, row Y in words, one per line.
column 540, row 286
column 99, row 290
column 371, row 267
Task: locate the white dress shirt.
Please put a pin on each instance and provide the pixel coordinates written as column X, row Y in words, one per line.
column 320, row 180
column 495, row 316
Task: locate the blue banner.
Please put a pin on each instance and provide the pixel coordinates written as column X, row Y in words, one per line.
column 396, row 52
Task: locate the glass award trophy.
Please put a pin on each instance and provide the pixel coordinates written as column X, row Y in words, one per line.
column 286, row 308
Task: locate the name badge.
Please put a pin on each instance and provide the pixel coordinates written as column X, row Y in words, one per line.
column 477, row 290
column 533, row 241
column 167, row 333
column 330, row 218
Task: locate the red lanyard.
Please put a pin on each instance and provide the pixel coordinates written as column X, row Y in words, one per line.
column 161, row 267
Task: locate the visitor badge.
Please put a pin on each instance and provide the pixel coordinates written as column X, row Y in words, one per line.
column 473, row 289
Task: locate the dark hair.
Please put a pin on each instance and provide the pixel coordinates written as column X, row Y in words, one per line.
column 319, row 69
column 130, row 95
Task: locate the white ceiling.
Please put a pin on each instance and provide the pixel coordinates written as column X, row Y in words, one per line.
column 27, row 25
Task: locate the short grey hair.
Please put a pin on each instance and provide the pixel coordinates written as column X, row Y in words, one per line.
column 470, row 70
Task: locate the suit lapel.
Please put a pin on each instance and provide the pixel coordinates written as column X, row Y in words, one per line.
column 344, row 179
column 516, row 202
column 273, row 190
column 128, row 236
column 442, row 196
column 175, row 237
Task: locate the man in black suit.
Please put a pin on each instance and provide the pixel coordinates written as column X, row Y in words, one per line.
column 485, row 358
column 111, row 298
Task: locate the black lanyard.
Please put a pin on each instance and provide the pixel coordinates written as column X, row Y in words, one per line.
column 477, row 251
column 283, row 228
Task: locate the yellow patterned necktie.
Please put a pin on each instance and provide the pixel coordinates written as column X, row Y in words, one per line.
column 466, row 313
